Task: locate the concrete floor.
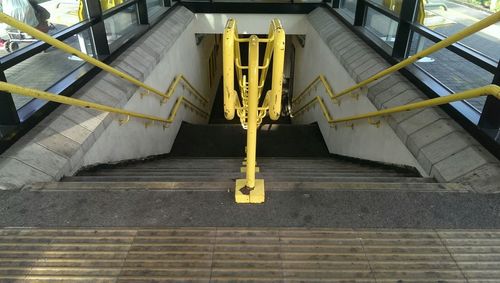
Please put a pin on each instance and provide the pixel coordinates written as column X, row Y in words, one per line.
column 298, row 208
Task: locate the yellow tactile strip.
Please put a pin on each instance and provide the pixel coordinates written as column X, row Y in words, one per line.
column 260, row 254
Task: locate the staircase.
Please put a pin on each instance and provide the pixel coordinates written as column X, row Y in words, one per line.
column 209, row 157
column 173, row 219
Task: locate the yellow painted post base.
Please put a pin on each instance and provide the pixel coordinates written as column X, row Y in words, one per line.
column 244, row 169
column 254, row 196
column 244, row 163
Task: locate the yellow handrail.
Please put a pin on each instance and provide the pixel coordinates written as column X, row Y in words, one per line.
column 481, row 91
column 325, row 83
column 488, row 21
column 15, row 89
column 251, row 190
column 67, row 48
column 181, row 79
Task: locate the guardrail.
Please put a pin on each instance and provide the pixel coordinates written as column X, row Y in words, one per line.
column 73, row 51
column 486, row 22
column 251, row 190
column 15, row 89
column 493, row 90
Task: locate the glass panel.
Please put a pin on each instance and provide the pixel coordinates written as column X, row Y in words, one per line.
column 46, row 68
column 453, row 71
column 108, row 4
column 349, row 6
column 246, row 1
column 50, row 16
column 121, row 25
column 449, row 17
column 155, row 8
column 390, row 5
column 382, row 26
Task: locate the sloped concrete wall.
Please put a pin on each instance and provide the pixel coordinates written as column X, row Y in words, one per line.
column 439, row 146
column 73, row 137
column 364, row 141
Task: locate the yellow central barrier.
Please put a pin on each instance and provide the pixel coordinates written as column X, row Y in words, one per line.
column 251, row 81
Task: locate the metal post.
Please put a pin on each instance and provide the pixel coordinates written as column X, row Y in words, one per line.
column 98, row 30
column 490, row 118
column 250, row 190
column 167, row 3
column 335, row 3
column 142, row 12
column 403, row 34
column 253, row 89
column 8, row 111
column 359, row 16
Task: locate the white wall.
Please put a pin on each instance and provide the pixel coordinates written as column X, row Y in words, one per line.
column 250, row 23
column 364, row 141
column 133, row 140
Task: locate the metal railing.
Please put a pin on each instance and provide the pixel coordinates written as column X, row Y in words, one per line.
column 309, row 87
column 251, row 84
column 493, row 90
column 18, row 116
column 486, row 22
column 150, row 119
column 476, row 63
column 35, row 33
column 335, row 97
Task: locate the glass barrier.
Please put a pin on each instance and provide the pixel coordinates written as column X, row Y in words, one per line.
column 121, row 26
column 155, row 8
column 381, row 26
column 348, row 6
column 390, row 5
column 50, row 16
column 452, row 70
column 448, row 17
column 46, row 68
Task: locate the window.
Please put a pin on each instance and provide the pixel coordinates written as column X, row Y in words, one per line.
column 381, row 26
column 121, row 26
column 48, row 16
column 452, row 70
column 447, row 18
column 155, row 8
column 46, row 68
column 349, row 6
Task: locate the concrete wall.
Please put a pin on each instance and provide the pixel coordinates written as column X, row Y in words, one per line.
column 427, row 139
column 71, row 137
column 134, row 140
column 250, row 23
column 364, row 141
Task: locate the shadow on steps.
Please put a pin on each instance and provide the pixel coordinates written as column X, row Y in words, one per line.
column 228, row 140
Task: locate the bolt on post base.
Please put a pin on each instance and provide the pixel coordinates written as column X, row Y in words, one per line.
column 242, row 194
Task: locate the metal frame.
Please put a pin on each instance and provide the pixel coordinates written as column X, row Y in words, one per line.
column 33, row 112
column 482, row 126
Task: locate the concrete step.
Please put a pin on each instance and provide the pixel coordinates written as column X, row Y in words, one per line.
column 183, row 171
column 235, row 254
column 230, row 178
column 229, row 186
column 237, row 174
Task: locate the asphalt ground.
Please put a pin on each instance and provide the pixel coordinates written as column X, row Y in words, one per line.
column 339, row 209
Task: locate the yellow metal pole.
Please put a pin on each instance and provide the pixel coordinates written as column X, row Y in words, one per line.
column 251, row 190
column 228, row 66
column 278, row 65
column 65, row 47
column 440, row 45
column 253, row 84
